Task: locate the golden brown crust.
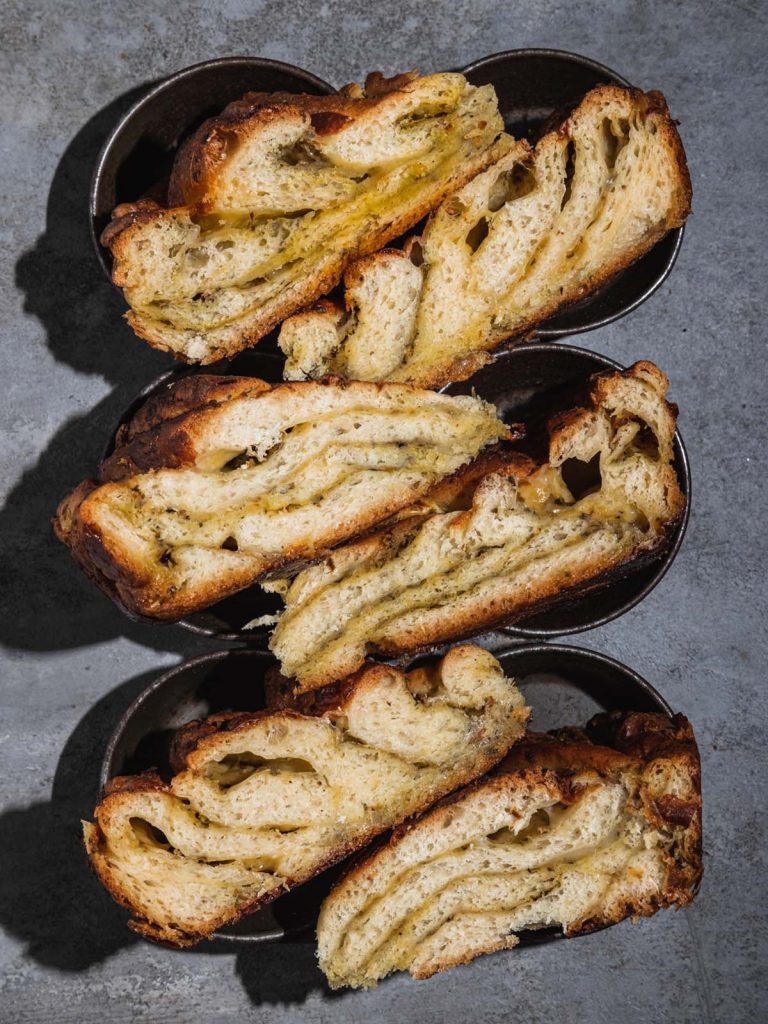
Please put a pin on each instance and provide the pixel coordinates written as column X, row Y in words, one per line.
column 200, row 156
column 175, row 417
column 610, row 741
column 125, row 216
column 186, row 395
column 161, row 433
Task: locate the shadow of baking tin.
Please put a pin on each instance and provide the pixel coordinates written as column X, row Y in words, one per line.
column 564, row 685
column 137, row 156
column 532, row 85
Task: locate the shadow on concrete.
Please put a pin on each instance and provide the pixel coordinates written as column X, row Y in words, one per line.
column 52, row 903
column 47, row 604
column 48, row 897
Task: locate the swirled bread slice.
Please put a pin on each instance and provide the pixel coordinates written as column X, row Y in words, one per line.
column 539, row 229
column 265, row 801
column 223, row 480
column 522, row 542
column 568, row 833
column 271, row 200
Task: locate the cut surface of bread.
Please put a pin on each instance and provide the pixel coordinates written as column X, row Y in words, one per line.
column 222, row 480
column 567, row 833
column 272, row 199
column 538, row 230
column 521, row 542
column 262, row 802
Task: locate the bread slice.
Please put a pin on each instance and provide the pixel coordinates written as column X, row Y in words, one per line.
column 568, row 833
column 271, row 200
column 223, row 480
column 522, row 541
column 262, row 802
column 538, row 230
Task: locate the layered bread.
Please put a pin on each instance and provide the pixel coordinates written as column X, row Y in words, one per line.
column 540, row 229
column 271, row 200
column 516, row 541
column 262, row 802
column 221, row 480
column 575, row 832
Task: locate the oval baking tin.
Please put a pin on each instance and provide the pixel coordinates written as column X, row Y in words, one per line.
column 527, row 384
column 532, row 85
column 138, row 154
column 564, row 685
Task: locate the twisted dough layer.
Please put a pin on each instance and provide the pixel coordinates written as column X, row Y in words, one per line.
column 522, row 541
column 265, row 801
column 207, row 498
column 566, row 834
column 539, row 229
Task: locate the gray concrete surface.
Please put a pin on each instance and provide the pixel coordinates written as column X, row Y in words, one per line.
column 71, row 663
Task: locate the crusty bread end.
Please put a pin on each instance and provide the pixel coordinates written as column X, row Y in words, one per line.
column 578, row 832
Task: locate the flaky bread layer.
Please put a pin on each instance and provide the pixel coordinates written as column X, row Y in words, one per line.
column 577, row 831
column 540, row 229
column 223, row 480
column 520, row 542
column 262, row 802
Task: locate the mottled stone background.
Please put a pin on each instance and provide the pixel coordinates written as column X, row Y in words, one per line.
column 72, row 662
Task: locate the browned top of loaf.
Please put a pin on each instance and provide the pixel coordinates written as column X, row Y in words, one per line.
column 201, row 153
column 204, row 150
column 185, row 395
column 161, row 434
column 611, row 740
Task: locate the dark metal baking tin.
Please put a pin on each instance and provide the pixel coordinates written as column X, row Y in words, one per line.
column 139, row 151
column 223, row 681
column 565, row 685
column 532, row 85
column 527, row 383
